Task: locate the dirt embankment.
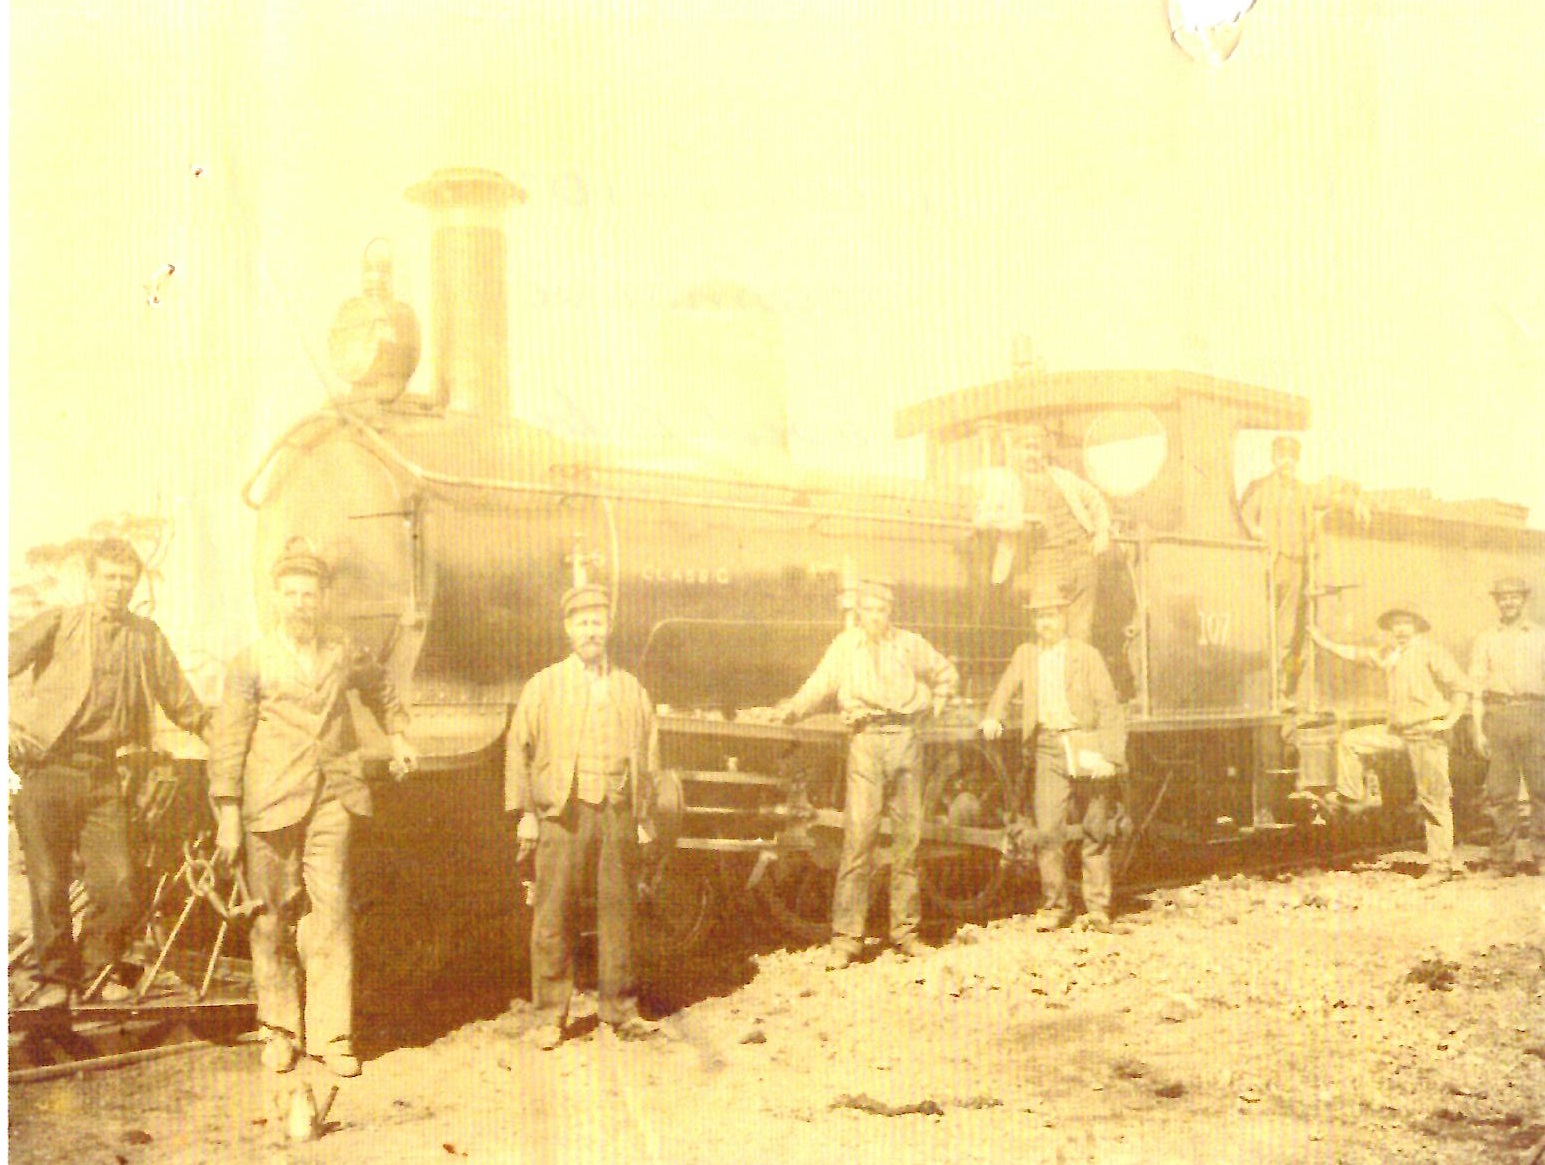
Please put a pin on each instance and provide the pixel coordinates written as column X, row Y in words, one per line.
column 1323, row 1018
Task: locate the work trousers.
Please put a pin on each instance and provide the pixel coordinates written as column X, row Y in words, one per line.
column 1058, row 801
column 303, row 933
column 1516, row 734
column 583, row 840
column 1072, row 570
column 64, row 807
column 885, row 767
column 1288, row 578
column 1429, row 770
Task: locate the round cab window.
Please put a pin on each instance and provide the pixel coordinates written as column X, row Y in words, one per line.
column 1124, row 450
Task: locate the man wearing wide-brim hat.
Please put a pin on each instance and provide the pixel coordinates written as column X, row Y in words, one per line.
column 1074, row 735
column 287, row 781
column 885, row 681
column 1507, row 672
column 581, row 745
column 1427, row 696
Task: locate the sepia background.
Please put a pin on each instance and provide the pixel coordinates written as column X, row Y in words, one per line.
column 897, row 199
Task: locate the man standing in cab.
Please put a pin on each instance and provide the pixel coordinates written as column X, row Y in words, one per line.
column 1278, row 509
column 885, row 680
column 581, row 745
column 98, row 672
column 287, row 782
column 1507, row 673
column 1064, row 519
column 1073, row 733
column 1427, row 696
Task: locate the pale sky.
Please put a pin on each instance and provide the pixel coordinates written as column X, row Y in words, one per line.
column 1349, row 209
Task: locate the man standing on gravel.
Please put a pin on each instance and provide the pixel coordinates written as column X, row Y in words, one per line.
column 98, row 670
column 885, row 681
column 1507, row 671
column 1072, row 720
column 580, row 747
column 287, row 781
column 1427, row 696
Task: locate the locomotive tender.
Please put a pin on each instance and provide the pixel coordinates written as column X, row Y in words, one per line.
column 456, row 528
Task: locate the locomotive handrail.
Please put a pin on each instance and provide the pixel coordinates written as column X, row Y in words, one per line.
column 276, row 448
column 703, row 479
column 505, row 485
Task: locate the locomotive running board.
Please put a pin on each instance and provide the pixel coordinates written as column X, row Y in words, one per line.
column 965, row 835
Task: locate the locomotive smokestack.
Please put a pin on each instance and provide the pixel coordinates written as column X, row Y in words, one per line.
column 469, row 324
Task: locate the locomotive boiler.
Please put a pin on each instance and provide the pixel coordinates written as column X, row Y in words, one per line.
column 455, row 528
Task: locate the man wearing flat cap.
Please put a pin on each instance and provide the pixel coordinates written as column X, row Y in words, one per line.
column 581, row 745
column 1427, row 696
column 884, row 680
column 98, row 673
column 1507, row 673
column 1278, row 509
column 287, row 782
column 1074, row 735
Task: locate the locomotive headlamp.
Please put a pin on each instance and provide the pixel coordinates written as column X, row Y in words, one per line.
column 374, row 340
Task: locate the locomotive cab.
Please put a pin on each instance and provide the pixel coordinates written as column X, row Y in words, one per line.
column 1182, row 612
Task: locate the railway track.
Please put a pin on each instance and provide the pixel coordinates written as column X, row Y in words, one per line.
column 202, row 998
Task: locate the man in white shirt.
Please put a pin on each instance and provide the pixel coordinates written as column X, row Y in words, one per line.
column 1507, row 671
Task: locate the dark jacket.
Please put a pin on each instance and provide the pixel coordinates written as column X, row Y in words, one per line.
column 56, row 647
column 1091, row 697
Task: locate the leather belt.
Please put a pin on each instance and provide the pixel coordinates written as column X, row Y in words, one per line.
column 83, row 757
column 889, row 721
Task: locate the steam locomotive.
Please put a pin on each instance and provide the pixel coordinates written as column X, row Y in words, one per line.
column 455, row 529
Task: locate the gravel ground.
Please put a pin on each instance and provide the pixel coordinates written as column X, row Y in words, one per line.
column 1335, row 1017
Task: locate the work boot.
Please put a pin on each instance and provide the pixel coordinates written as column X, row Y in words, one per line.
column 1435, row 876
column 1502, row 867
column 50, row 996
column 1051, row 918
column 636, row 1027
column 339, row 1059
column 113, row 986
column 547, row 1037
column 1529, row 868
column 840, row 956
column 279, row 1052
column 1096, row 920
column 912, row 947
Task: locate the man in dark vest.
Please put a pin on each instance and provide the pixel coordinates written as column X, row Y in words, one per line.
column 98, row 671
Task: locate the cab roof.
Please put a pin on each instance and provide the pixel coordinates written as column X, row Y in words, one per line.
column 1025, row 395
